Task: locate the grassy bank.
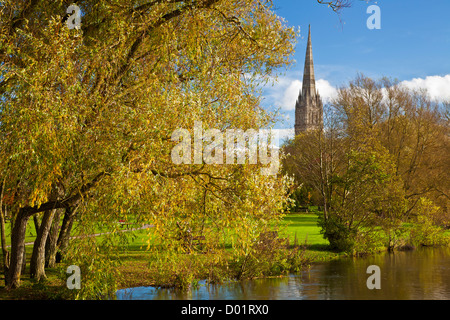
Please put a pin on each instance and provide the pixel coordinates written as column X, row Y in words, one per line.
column 301, row 230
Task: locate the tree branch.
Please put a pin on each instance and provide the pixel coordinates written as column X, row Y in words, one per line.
column 67, row 202
column 138, row 41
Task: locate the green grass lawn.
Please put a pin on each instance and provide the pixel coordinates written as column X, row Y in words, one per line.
column 303, row 227
column 300, row 226
column 30, row 235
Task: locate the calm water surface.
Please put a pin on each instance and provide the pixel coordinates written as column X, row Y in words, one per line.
column 418, row 274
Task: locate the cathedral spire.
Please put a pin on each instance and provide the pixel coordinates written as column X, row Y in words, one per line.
column 309, row 82
column 309, row 107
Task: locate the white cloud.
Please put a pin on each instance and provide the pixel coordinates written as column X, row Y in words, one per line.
column 290, row 95
column 285, row 91
column 284, row 134
column 438, row 88
column 326, row 90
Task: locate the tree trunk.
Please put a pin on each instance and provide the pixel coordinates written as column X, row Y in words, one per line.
column 64, row 234
column 36, row 223
column 5, row 251
column 51, row 244
column 24, row 259
column 17, row 250
column 37, row 263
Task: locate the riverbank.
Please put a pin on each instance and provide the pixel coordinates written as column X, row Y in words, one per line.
column 135, row 269
column 300, row 229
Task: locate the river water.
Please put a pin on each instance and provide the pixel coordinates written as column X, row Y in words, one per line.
column 418, row 274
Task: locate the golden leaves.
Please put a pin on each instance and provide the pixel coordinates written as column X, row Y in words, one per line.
column 107, row 98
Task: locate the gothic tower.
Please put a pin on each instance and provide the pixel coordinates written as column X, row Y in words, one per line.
column 309, row 107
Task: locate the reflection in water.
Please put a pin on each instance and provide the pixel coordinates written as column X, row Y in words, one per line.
column 418, row 274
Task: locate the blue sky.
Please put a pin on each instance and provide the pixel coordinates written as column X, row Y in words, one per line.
column 413, row 45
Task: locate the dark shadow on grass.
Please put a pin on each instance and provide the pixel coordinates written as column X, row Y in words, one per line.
column 320, row 247
column 301, row 219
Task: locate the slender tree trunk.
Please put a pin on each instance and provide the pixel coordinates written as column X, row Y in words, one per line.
column 17, row 250
column 51, row 243
column 5, row 251
column 24, row 259
column 64, row 234
column 36, row 223
column 37, row 263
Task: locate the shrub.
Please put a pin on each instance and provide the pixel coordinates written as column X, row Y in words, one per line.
column 174, row 270
column 424, row 231
column 350, row 239
column 270, row 256
column 340, row 236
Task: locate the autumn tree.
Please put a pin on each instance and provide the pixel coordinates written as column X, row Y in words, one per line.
column 312, row 159
column 408, row 124
column 87, row 114
column 390, row 153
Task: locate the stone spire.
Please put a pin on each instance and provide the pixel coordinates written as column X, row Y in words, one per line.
column 309, row 107
column 309, row 82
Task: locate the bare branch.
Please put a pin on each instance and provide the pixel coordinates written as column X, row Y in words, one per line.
column 337, row 5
